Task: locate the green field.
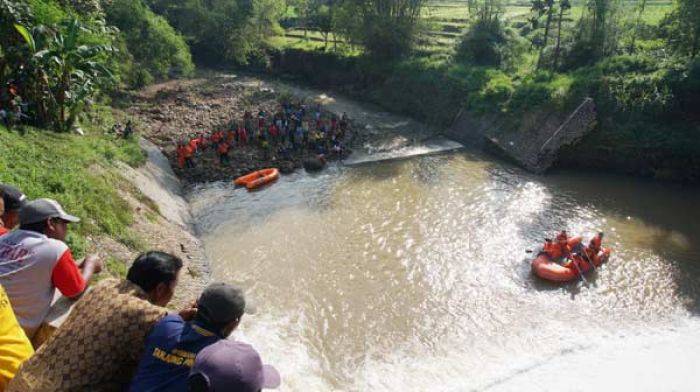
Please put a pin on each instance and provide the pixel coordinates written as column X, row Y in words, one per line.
column 446, row 21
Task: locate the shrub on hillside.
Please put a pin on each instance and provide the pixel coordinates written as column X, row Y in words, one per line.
column 482, row 44
column 158, row 50
column 494, row 95
column 488, row 43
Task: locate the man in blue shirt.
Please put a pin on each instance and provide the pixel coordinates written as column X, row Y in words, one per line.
column 172, row 345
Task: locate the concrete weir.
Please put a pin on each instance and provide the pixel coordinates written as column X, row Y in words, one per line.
column 434, row 145
column 533, row 143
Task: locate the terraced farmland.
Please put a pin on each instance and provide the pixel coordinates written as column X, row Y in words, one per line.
column 446, row 21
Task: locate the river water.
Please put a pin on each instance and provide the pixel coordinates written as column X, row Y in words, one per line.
column 412, row 275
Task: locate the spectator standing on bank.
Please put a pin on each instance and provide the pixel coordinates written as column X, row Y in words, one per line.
column 35, row 261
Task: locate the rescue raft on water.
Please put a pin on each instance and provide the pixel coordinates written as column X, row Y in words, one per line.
column 258, row 178
column 573, row 254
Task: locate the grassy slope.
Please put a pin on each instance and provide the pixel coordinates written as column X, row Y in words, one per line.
column 79, row 172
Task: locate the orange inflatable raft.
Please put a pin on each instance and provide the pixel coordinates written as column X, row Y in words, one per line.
column 258, row 178
column 546, row 268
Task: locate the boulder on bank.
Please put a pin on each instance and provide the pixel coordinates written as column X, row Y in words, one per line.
column 314, row 164
column 286, row 167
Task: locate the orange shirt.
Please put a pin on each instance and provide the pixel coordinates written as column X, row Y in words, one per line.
column 223, row 148
column 555, row 251
column 188, row 151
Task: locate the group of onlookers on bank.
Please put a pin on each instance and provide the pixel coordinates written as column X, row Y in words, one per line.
column 292, row 129
column 119, row 335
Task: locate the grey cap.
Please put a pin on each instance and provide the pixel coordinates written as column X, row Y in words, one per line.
column 12, row 197
column 221, row 303
column 42, row 209
column 228, row 365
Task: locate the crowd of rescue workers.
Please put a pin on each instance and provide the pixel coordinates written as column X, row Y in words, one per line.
column 292, row 131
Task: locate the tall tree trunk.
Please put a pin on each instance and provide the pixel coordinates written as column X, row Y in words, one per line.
column 558, row 48
column 642, row 6
column 550, row 11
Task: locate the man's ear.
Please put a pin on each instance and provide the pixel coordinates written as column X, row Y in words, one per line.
column 162, row 289
column 50, row 225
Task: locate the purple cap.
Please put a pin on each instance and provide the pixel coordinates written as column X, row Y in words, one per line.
column 228, row 365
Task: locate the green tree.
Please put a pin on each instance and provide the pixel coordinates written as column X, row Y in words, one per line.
column 11, row 13
column 598, row 33
column 322, row 19
column 386, row 28
column 552, row 12
column 66, row 72
column 637, row 25
column 686, row 33
column 564, row 7
column 485, row 11
column 542, row 8
column 223, row 30
column 487, row 42
column 156, row 47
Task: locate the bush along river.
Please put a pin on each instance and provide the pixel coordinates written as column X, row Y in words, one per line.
column 412, row 274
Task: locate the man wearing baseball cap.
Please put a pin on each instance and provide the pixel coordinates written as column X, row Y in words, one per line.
column 173, row 344
column 34, row 261
column 13, row 199
column 231, row 366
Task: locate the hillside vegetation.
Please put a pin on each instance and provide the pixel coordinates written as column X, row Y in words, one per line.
column 428, row 59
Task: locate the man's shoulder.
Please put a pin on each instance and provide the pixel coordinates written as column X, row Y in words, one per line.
column 171, row 322
column 121, row 295
column 118, row 301
column 34, row 239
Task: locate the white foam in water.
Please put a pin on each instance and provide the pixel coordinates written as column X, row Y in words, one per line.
column 432, row 146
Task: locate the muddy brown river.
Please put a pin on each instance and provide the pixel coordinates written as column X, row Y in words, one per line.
column 412, row 275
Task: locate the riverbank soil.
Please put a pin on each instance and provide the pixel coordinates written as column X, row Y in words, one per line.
column 169, row 112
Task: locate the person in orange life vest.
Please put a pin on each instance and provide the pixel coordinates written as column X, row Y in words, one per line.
column 180, row 151
column 230, row 136
column 13, row 200
column 560, row 249
column 222, row 150
column 216, row 137
column 594, row 248
column 242, row 136
column 194, row 144
column 188, row 154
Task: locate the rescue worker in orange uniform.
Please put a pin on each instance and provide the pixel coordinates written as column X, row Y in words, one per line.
column 180, row 151
column 194, row 144
column 560, row 249
column 222, row 150
column 188, row 154
column 594, row 248
column 216, row 137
